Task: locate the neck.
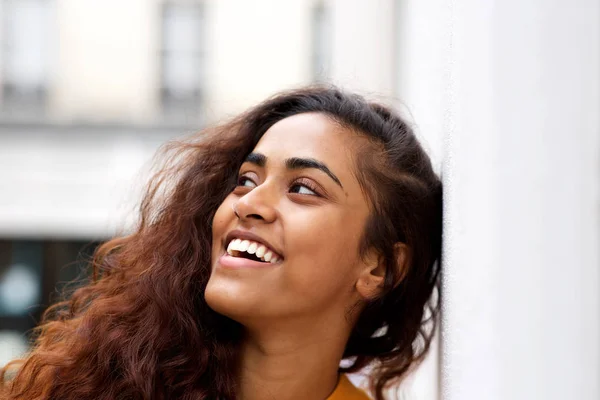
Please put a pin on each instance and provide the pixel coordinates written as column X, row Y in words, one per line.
column 291, row 361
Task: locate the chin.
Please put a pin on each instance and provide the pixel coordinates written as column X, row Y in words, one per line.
column 241, row 304
column 225, row 299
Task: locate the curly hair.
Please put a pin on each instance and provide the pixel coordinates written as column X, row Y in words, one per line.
column 142, row 329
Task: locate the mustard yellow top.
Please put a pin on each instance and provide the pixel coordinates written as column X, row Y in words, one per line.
column 345, row 390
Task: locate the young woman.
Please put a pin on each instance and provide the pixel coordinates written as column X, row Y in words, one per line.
column 303, row 233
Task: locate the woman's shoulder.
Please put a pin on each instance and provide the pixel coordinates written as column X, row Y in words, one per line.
column 345, row 390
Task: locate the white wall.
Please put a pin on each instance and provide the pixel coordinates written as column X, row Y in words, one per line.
column 506, row 94
column 423, row 61
column 522, row 176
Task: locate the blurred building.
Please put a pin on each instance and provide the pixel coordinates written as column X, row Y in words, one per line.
column 90, row 89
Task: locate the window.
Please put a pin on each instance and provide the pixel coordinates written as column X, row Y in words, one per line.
column 33, row 274
column 26, row 49
column 182, row 59
column 321, row 42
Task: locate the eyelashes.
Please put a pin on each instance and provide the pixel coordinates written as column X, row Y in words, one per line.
column 306, row 184
column 300, row 186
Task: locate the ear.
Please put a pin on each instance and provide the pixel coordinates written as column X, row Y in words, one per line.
column 370, row 280
column 372, row 277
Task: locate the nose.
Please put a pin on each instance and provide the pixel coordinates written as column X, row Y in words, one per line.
column 258, row 204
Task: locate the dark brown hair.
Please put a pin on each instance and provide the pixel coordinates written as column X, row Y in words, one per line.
column 142, row 329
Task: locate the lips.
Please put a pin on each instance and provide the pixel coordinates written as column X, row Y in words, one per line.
column 228, row 262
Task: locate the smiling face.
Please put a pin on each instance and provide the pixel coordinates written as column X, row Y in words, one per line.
column 297, row 195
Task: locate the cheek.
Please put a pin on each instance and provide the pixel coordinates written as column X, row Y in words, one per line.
column 223, row 213
column 325, row 254
column 221, row 221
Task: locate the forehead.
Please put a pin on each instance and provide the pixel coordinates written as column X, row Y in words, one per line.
column 312, row 135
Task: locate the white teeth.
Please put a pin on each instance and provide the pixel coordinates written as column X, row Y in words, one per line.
column 267, row 256
column 260, row 251
column 230, row 247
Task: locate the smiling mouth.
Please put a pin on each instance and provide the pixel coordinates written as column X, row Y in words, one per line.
column 252, row 250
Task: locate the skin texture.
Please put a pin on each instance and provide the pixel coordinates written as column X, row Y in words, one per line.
column 298, row 313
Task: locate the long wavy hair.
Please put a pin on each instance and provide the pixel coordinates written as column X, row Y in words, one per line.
column 142, row 329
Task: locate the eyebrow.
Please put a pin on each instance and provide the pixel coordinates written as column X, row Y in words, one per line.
column 295, row 163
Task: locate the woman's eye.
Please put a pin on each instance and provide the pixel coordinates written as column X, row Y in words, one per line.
column 246, row 182
column 302, row 189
